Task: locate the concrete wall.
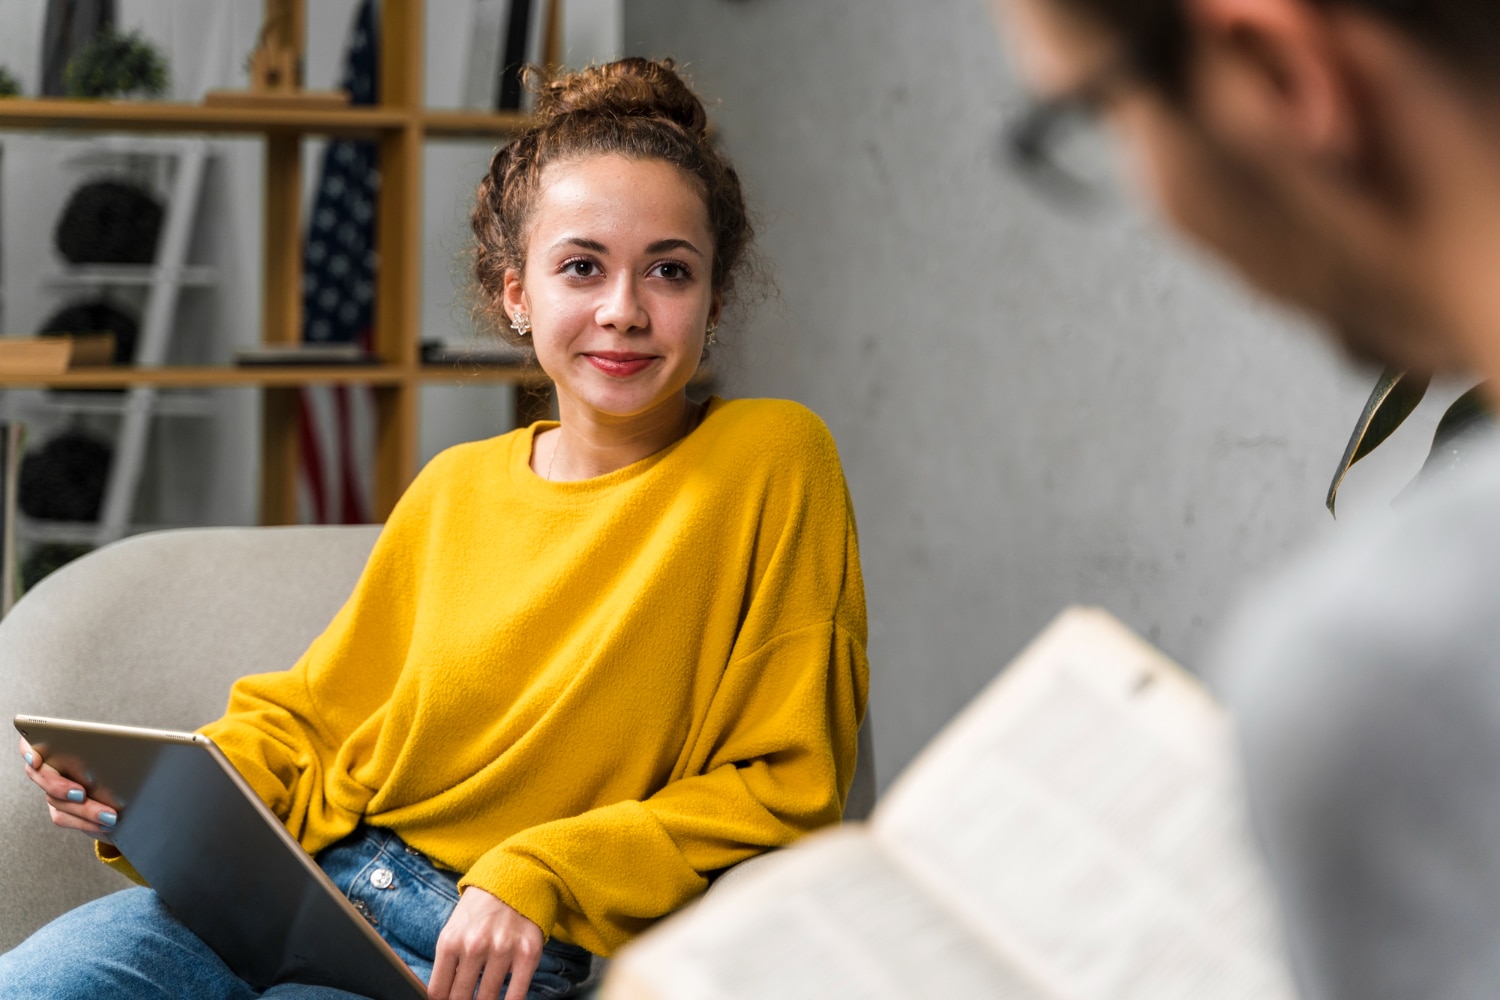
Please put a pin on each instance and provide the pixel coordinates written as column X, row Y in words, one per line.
column 1033, row 409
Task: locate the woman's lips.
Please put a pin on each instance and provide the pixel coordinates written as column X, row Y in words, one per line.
column 619, row 364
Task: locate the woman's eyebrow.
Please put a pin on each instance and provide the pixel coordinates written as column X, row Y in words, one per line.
column 662, row 246
column 583, row 243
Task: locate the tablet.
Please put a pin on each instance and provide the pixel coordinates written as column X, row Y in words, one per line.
column 220, row 860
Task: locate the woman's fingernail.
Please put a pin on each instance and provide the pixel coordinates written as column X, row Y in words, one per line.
column 106, row 818
column 75, row 795
column 30, row 758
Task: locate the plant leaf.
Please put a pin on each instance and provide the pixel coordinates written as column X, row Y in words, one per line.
column 1395, row 396
column 1468, row 412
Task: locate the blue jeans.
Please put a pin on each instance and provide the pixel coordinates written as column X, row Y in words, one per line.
column 126, row 945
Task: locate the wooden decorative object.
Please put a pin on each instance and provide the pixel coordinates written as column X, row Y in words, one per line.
column 276, row 67
column 552, row 39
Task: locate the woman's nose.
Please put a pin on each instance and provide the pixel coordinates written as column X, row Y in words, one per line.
column 622, row 307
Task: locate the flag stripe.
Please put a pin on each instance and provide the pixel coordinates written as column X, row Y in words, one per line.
column 338, row 302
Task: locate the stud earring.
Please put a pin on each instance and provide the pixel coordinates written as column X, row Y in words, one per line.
column 711, row 338
column 521, row 323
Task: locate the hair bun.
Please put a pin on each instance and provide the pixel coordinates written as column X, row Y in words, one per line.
column 629, row 87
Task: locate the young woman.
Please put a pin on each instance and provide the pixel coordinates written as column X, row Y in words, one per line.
column 590, row 663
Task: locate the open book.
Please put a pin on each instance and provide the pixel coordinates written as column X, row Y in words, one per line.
column 1077, row 832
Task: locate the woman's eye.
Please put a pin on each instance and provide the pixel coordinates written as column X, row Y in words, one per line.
column 672, row 272
column 581, row 268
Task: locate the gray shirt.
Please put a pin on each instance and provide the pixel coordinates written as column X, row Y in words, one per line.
column 1366, row 685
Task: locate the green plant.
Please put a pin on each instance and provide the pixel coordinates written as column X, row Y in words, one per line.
column 9, row 85
column 1395, row 396
column 115, row 63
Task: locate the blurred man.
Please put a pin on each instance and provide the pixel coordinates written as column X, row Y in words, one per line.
column 1343, row 156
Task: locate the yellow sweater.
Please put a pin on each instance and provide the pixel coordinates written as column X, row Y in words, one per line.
column 585, row 696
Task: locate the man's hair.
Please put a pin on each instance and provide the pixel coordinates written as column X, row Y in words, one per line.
column 1462, row 34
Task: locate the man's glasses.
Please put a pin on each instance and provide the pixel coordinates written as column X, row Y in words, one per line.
column 1057, row 142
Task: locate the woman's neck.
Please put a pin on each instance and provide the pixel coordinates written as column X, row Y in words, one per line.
column 586, row 445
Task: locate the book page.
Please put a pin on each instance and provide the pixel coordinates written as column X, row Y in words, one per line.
column 1084, row 817
column 829, row 918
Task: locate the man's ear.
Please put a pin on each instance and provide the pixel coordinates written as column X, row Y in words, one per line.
column 1272, row 74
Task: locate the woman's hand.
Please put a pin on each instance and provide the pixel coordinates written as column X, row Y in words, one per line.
column 482, row 941
column 67, row 800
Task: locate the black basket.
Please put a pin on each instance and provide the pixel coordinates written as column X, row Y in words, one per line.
column 64, row 479
column 109, row 222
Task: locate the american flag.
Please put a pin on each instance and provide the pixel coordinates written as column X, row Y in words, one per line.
column 339, row 267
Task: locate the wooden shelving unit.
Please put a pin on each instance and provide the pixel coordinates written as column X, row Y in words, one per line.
column 165, row 117
column 401, row 126
column 273, row 376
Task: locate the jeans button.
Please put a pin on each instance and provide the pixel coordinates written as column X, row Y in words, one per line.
column 381, row 878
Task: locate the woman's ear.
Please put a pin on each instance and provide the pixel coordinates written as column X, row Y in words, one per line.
column 715, row 309
column 514, row 296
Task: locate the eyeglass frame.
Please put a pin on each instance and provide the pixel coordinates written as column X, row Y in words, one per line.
column 1027, row 140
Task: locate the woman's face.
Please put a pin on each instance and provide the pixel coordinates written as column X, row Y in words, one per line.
column 618, row 285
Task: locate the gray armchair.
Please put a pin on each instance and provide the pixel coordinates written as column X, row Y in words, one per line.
column 152, row 631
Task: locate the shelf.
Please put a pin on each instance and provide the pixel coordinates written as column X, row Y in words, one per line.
column 194, row 276
column 212, row 377
column 458, row 124
column 22, row 113
column 165, row 116
column 180, row 403
column 275, row 376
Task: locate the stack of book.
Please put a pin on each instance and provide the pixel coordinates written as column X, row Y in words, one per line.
column 54, row 354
